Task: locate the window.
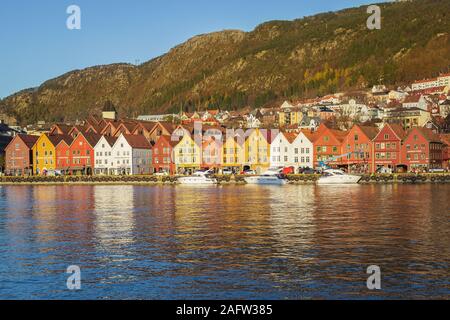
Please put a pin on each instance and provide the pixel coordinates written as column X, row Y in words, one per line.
column 386, row 137
column 356, row 137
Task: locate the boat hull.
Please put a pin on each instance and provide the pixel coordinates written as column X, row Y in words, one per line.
column 265, row 180
column 196, row 181
column 339, row 180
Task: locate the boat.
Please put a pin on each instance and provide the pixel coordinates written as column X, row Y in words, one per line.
column 337, row 177
column 199, row 177
column 272, row 176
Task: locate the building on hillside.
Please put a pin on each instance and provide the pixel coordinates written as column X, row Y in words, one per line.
column 408, row 118
column 415, row 101
column 19, row 155
column 109, row 111
column 290, row 116
column 388, row 148
column 103, row 156
column 422, row 150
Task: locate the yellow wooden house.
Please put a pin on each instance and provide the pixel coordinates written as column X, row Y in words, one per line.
column 257, row 150
column 187, row 155
column 234, row 151
column 44, row 155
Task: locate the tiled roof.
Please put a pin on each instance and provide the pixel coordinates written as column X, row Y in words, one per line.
column 412, row 99
column 92, row 138
column 137, row 141
column 370, row 132
column 290, row 136
column 58, row 138
column 398, row 129
column 428, row 134
column 110, row 140
column 28, row 140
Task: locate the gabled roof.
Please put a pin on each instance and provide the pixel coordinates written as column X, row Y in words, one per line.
column 28, row 140
column 57, row 139
column 445, row 138
column 63, row 128
column 290, row 136
column 370, row 132
column 169, row 140
column 428, row 134
column 412, row 99
column 92, row 138
column 137, row 141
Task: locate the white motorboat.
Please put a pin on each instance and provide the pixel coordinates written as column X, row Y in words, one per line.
column 199, row 177
column 333, row 176
column 271, row 177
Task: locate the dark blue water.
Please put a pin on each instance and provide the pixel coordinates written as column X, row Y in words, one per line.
column 234, row 242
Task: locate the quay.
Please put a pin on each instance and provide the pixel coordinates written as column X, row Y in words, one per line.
column 296, row 179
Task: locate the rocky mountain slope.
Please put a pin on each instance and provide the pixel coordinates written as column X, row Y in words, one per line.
column 278, row 60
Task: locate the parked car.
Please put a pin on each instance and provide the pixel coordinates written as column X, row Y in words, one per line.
column 288, row 170
column 384, row 170
column 308, row 171
column 227, row 172
column 249, row 172
column 163, row 173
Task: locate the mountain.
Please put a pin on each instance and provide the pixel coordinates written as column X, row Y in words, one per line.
column 312, row 56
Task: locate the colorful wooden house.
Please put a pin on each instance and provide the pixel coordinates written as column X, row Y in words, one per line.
column 82, row 153
column 44, row 153
column 359, row 143
column 103, row 155
column 328, row 146
column 19, row 155
column 257, row 149
column 388, row 148
column 422, row 150
column 445, row 139
column 188, row 154
column 234, row 150
column 163, row 155
column 63, row 156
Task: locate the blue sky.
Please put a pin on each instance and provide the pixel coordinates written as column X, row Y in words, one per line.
column 37, row 46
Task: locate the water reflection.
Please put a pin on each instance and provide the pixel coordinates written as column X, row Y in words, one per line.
column 294, row 242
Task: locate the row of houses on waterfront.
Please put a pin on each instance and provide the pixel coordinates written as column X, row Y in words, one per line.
column 128, row 147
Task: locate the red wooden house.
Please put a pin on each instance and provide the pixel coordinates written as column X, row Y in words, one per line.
column 327, row 145
column 63, row 156
column 358, row 142
column 82, row 153
column 388, row 148
column 212, row 153
column 162, row 155
column 19, row 156
column 422, row 150
column 445, row 138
